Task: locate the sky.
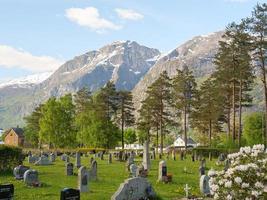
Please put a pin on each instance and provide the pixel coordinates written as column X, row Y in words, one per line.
column 38, row 36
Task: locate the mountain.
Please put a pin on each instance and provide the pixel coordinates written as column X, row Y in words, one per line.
column 123, row 62
column 27, row 81
column 197, row 54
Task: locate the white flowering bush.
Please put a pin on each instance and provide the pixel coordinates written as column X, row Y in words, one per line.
column 245, row 177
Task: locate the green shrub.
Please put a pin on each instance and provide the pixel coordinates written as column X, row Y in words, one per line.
column 204, row 151
column 10, row 157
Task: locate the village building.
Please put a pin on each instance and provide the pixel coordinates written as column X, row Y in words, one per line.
column 180, row 143
column 14, row 137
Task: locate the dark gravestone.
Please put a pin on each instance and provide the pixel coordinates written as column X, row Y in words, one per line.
column 193, row 157
column 201, row 170
column 69, row 169
column 164, row 171
column 6, row 192
column 70, row 194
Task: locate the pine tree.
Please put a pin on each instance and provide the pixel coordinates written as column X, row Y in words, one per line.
column 183, row 95
column 125, row 116
column 258, row 27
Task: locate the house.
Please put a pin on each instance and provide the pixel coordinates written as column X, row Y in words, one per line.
column 14, row 137
column 179, row 142
column 131, row 147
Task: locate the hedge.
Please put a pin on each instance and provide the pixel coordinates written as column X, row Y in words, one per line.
column 10, row 157
column 204, row 151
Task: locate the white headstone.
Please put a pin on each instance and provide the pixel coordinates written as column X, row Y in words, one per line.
column 83, row 179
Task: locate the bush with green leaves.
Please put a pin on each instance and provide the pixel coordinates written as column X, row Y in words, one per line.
column 245, row 177
column 10, row 157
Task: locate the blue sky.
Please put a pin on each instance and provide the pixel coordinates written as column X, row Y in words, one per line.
column 38, row 36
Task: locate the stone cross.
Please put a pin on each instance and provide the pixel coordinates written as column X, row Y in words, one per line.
column 186, row 189
column 78, row 160
column 83, row 179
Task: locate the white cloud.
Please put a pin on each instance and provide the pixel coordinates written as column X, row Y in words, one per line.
column 11, row 57
column 128, row 14
column 90, row 17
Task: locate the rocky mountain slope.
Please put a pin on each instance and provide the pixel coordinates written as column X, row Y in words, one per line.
column 197, row 54
column 123, row 62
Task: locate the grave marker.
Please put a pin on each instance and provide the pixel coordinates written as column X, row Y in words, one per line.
column 83, row 179
column 69, row 194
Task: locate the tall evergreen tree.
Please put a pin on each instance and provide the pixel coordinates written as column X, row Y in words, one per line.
column 159, row 100
column 184, row 94
column 124, row 115
column 258, row 27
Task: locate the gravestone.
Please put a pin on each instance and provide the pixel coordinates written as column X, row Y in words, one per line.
column 31, row 178
column 67, row 159
column 204, row 185
column 146, row 157
column 91, row 160
column 83, row 179
column 154, row 154
column 32, row 159
column 101, row 155
column 109, row 158
column 141, row 171
column 63, row 157
column 19, row 171
column 78, row 160
column 210, row 156
column 43, row 160
column 203, row 163
column 181, row 155
column 162, row 176
column 69, row 169
column 201, row 170
column 69, row 194
column 129, row 162
column 93, row 171
column 133, row 170
column 227, row 165
column 134, row 189
column 52, row 157
column 120, row 156
column 193, row 157
column 6, row 192
column 173, row 155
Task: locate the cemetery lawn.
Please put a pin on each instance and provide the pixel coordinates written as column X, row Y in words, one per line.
column 110, row 176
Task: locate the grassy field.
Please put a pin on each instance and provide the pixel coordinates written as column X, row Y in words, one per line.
column 110, row 176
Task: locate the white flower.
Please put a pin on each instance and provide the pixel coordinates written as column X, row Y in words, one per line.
column 259, row 185
column 228, row 184
column 216, row 196
column 229, row 197
column 255, row 193
column 238, row 180
column 214, row 187
column 211, row 173
column 245, row 185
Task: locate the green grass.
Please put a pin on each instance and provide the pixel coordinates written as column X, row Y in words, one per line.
column 110, row 176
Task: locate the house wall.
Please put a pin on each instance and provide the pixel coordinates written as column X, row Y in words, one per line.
column 13, row 139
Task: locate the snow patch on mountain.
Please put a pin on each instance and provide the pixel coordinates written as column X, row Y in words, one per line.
column 27, row 80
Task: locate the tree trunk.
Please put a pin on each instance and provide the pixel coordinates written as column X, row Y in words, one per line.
column 122, row 125
column 234, row 134
column 210, row 130
column 161, row 129
column 265, row 97
column 229, row 122
column 157, row 140
column 185, row 128
column 240, row 114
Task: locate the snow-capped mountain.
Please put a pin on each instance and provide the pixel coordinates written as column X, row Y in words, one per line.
column 123, row 62
column 26, row 81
